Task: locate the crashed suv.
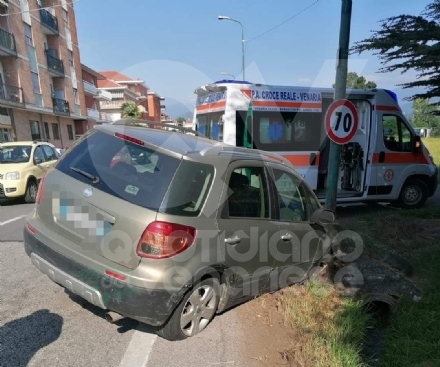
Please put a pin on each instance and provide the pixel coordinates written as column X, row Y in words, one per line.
column 170, row 229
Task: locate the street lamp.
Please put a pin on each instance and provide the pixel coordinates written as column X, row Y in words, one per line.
column 223, row 17
column 224, row 73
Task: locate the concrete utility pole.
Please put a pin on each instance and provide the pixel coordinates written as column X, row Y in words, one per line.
column 340, row 93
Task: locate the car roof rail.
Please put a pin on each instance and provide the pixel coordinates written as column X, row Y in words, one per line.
column 249, row 152
column 149, row 124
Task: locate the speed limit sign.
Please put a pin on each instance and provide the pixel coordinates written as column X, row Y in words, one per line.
column 341, row 121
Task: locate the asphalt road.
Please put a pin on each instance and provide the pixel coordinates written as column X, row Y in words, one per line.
column 43, row 325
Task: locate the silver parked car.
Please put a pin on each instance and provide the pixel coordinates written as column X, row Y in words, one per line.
column 170, row 229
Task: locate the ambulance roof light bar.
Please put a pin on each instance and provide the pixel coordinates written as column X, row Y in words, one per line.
column 392, row 95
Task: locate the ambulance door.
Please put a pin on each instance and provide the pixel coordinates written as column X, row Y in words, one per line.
column 393, row 158
column 202, row 124
column 355, row 169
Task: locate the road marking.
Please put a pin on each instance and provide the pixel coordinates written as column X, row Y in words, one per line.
column 12, row 220
column 138, row 351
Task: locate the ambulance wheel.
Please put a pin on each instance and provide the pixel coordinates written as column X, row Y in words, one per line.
column 413, row 195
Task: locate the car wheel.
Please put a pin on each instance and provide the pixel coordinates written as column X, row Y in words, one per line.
column 413, row 195
column 194, row 312
column 31, row 192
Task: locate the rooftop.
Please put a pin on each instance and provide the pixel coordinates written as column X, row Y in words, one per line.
column 93, row 72
column 108, row 84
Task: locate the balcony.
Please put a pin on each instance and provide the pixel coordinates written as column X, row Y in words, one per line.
column 61, row 107
column 103, row 95
column 90, row 88
column 11, row 95
column 111, row 105
column 49, row 23
column 55, row 66
column 105, row 117
column 93, row 114
column 7, row 44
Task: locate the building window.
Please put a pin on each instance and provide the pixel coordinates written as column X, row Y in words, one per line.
column 4, row 111
column 28, row 35
column 70, row 57
column 70, row 132
column 55, row 132
column 75, row 96
column 35, row 82
column 5, row 134
column 46, row 130
column 66, row 19
column 35, row 130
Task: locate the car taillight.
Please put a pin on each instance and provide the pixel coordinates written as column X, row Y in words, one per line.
column 161, row 240
column 40, row 189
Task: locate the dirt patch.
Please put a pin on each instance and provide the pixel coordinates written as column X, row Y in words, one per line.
column 267, row 337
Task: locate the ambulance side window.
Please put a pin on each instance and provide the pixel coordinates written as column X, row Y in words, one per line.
column 396, row 135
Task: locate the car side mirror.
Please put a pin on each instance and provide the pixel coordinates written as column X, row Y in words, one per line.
column 417, row 144
column 38, row 161
column 323, row 216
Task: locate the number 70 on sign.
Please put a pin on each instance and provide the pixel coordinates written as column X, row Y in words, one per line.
column 341, row 121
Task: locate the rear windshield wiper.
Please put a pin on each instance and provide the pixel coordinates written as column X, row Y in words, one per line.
column 94, row 179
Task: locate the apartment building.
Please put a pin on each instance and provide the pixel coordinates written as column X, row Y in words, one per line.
column 124, row 88
column 165, row 118
column 92, row 97
column 39, row 63
column 155, row 106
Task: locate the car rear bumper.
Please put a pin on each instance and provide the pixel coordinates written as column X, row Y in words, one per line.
column 150, row 306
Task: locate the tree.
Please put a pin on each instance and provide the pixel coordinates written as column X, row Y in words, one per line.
column 355, row 81
column 180, row 121
column 409, row 42
column 424, row 114
column 130, row 110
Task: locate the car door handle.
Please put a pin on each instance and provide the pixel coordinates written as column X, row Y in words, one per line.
column 286, row 237
column 233, row 240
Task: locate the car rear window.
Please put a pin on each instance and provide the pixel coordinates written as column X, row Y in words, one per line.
column 188, row 190
column 126, row 170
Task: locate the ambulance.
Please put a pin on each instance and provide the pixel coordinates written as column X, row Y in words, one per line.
column 383, row 160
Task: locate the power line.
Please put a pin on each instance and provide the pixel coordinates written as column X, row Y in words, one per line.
column 38, row 9
column 284, row 22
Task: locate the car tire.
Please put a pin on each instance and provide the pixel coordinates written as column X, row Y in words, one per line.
column 413, row 194
column 31, row 192
column 187, row 319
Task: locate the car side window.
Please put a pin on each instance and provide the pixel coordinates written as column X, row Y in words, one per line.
column 39, row 154
column 292, row 197
column 50, row 153
column 396, row 135
column 314, row 204
column 248, row 193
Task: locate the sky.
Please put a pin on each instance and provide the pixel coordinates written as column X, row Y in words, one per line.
column 177, row 46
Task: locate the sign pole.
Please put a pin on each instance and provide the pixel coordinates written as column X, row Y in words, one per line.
column 340, row 93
